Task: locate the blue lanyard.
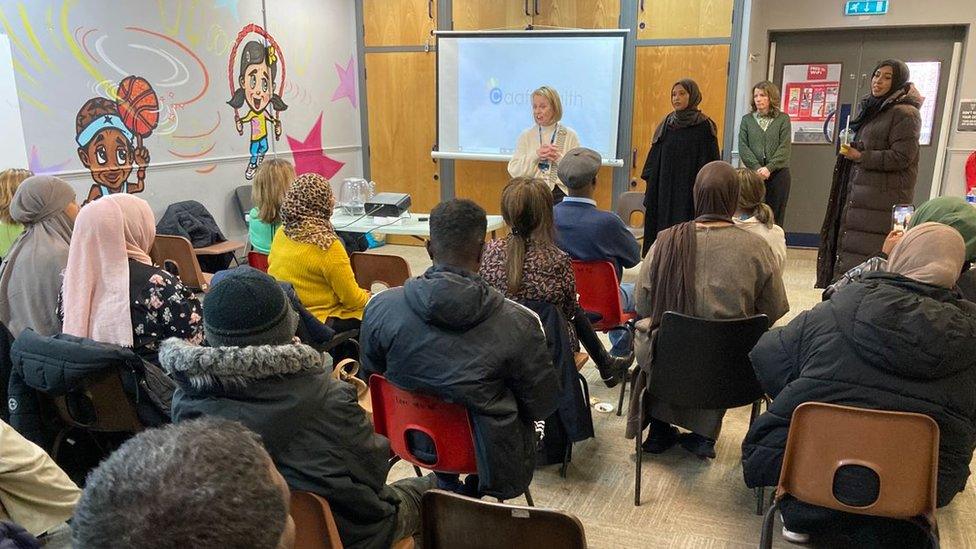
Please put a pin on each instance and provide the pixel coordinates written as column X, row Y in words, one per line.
column 551, row 139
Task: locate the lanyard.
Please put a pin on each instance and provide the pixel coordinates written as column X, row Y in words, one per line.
column 551, row 139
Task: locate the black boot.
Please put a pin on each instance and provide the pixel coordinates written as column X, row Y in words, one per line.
column 703, row 447
column 661, row 436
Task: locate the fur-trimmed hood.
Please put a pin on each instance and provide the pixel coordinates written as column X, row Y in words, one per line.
column 210, row 367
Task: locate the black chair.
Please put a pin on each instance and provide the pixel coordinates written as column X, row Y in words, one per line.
column 704, row 363
column 242, row 195
column 6, row 366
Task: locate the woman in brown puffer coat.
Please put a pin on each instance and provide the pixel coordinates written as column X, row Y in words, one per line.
column 877, row 172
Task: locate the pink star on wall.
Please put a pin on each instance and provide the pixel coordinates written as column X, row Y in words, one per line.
column 308, row 154
column 347, row 84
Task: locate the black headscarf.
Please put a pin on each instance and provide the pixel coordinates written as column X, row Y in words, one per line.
column 672, row 269
column 688, row 116
column 870, row 105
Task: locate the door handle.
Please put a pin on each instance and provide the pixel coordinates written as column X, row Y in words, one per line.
column 633, row 159
column 430, row 9
column 527, row 8
column 641, row 5
column 537, row 7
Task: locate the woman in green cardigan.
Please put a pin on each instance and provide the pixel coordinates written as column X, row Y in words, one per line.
column 765, row 138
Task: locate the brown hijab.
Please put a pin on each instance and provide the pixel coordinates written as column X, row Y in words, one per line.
column 672, row 269
column 306, row 213
column 932, row 253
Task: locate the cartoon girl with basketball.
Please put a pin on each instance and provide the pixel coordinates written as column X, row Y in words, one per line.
column 105, row 130
column 256, row 82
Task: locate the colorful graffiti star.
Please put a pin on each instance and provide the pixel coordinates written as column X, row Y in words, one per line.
column 308, row 153
column 347, row 83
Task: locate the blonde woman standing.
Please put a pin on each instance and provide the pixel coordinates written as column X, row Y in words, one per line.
column 541, row 146
column 9, row 229
column 765, row 139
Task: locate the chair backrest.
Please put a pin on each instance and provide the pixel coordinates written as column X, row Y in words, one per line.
column 388, row 270
column 242, row 195
column 315, row 528
column 450, row 520
column 397, row 412
column 599, row 292
column 628, row 203
column 704, row 363
column 257, row 260
column 175, row 252
column 901, row 448
column 100, row 405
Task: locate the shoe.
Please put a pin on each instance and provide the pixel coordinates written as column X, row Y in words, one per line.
column 702, row 447
column 615, row 371
column 249, row 172
column 795, row 537
column 659, row 440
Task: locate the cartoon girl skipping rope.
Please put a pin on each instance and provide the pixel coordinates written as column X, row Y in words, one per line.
column 259, row 66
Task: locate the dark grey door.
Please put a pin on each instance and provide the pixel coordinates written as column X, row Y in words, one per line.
column 858, row 51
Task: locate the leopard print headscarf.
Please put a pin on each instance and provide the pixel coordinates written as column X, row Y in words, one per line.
column 307, row 211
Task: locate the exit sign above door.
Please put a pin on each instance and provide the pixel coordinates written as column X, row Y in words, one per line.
column 866, row 7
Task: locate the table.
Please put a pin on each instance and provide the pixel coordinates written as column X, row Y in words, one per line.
column 416, row 225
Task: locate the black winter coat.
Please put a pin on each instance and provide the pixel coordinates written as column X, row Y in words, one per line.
column 57, row 365
column 191, row 220
column 314, row 430
column 450, row 334
column 888, row 343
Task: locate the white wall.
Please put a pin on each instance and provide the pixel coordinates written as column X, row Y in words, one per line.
column 792, row 15
column 182, row 47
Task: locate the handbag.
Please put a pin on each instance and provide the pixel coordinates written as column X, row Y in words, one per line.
column 346, row 371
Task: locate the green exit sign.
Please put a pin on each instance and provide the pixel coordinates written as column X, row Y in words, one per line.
column 866, row 7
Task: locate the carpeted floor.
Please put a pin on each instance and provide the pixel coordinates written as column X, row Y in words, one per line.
column 685, row 502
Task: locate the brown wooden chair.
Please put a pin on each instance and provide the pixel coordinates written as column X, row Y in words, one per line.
column 450, row 520
column 175, row 253
column 315, row 527
column 388, row 270
column 901, row 448
column 628, row 204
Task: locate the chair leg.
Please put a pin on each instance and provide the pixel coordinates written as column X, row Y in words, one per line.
column 766, row 537
column 418, row 471
column 566, row 454
column 623, row 387
column 760, row 499
column 639, row 451
column 528, row 497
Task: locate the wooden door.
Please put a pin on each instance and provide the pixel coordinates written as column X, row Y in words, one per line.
column 658, row 68
column 684, row 19
column 400, row 92
column 580, row 14
column 497, row 14
column 399, row 22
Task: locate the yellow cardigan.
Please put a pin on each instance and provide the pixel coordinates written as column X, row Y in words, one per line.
column 322, row 279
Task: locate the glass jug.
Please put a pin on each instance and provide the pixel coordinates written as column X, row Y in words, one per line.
column 354, row 193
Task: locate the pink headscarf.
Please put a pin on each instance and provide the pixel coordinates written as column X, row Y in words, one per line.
column 108, row 233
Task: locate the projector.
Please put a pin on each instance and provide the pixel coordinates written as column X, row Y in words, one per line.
column 387, row 205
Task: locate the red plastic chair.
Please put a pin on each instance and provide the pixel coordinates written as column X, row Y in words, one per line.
column 397, row 411
column 599, row 292
column 257, row 260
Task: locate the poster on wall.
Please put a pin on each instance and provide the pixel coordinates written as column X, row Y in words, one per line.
column 810, row 93
column 925, row 76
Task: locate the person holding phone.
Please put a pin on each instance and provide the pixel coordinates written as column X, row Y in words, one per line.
column 877, row 171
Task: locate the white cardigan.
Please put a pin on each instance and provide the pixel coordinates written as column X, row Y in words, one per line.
column 525, row 163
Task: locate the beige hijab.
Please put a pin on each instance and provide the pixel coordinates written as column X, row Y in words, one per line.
column 932, row 253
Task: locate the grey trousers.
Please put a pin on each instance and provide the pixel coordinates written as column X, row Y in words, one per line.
column 409, row 491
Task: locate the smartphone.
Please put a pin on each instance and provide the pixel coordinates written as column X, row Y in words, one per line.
column 900, row 214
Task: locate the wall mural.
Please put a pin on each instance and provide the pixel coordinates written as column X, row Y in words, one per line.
column 134, row 87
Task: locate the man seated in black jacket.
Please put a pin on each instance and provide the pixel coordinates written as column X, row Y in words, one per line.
column 311, row 424
column 448, row 333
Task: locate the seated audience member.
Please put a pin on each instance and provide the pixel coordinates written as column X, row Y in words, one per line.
column 270, row 185
column 13, row 536
column 204, row 484
column 587, row 233
column 34, row 492
column 527, row 265
column 308, row 253
column 9, row 229
column 30, row 276
column 112, row 292
column 707, row 268
column 948, row 210
column 311, row 424
column 756, row 216
column 899, row 340
column 449, row 333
